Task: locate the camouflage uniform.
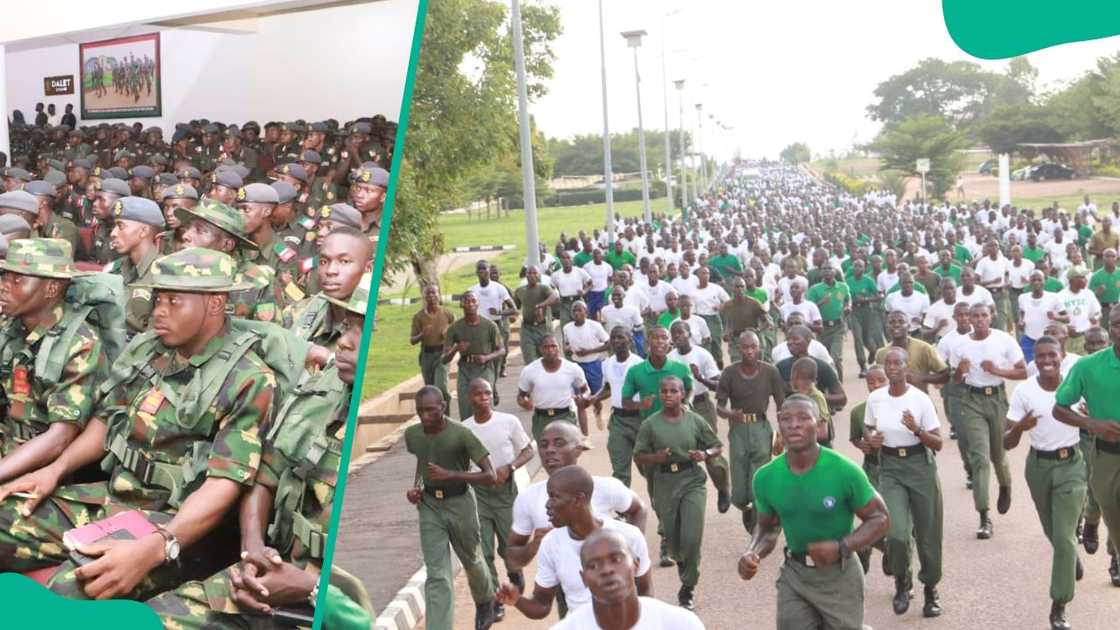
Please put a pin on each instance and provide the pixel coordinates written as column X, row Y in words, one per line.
column 59, row 227
column 172, row 423
column 313, row 320
column 50, row 373
column 140, row 299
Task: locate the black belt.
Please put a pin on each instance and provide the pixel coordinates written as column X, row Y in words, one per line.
column 989, row 390
column 553, row 412
column 803, row 559
column 569, row 298
column 904, row 451
column 1112, row 448
column 676, row 467
column 1060, row 454
column 831, row 323
column 699, row 398
column 431, row 348
column 445, row 493
column 625, row 413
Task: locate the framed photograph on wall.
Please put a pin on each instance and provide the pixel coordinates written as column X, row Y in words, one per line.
column 121, row 77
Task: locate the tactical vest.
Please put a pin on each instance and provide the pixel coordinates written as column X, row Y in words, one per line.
column 312, row 318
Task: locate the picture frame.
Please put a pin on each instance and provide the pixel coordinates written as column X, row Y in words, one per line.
column 112, row 89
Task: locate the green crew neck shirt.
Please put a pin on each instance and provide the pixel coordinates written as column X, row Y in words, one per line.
column 645, row 380
column 838, row 297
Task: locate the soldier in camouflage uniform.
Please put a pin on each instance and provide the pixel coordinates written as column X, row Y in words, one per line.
column 216, row 226
column 47, row 224
column 320, row 189
column 256, row 203
column 137, row 223
column 233, row 149
column 344, row 257
column 178, row 424
column 367, row 194
column 109, row 191
column 299, row 465
column 51, row 360
column 75, row 206
column 330, row 217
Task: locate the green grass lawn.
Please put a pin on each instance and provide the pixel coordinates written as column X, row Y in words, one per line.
column 391, row 359
column 1067, row 202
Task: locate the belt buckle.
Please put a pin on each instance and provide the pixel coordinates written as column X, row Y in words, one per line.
column 902, row 452
column 674, row 467
column 439, row 494
column 751, row 418
column 987, row 391
column 809, row 562
column 551, row 412
column 1063, row 453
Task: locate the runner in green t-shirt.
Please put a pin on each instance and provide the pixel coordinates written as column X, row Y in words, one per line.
column 1106, row 283
column 833, row 299
column 813, row 494
column 618, row 257
column 864, row 320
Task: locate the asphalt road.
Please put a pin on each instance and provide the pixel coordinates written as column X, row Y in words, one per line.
column 1001, row 583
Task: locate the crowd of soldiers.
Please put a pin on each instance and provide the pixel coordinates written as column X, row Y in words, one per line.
column 130, row 76
column 962, row 298
column 178, row 346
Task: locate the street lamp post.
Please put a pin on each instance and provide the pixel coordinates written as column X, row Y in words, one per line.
column 665, row 93
column 608, row 177
column 634, row 40
column 528, row 180
column 679, row 84
column 699, row 148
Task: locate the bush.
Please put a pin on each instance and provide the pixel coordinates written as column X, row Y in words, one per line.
column 1106, row 170
column 586, row 196
column 852, row 185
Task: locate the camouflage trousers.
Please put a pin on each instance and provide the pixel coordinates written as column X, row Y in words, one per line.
column 35, row 542
column 206, row 604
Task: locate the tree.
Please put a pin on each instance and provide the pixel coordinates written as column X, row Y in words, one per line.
column 901, row 144
column 463, row 116
column 583, row 154
column 1006, row 127
column 796, row 153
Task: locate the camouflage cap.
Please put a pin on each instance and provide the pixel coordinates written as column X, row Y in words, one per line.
column 158, row 158
column 294, row 170
column 192, row 270
column 257, row 193
column 139, row 209
column 189, row 172
column 180, row 191
column 20, row 200
column 359, row 299
column 41, row 257
column 370, row 173
column 342, row 214
column 115, row 186
column 218, row 214
column 40, row 188
column 285, row 192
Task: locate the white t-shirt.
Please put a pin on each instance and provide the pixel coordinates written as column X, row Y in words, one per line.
column 886, row 280
column 600, row 275
column 637, row 296
column 1081, row 307
column 1019, row 277
column 698, row 329
column 707, row 301
column 703, row 361
column 502, row 435
column 946, row 344
column 570, row 284
column 806, row 308
column 590, row 335
column 979, row 295
column 551, row 390
column 558, row 560
column 915, row 306
column 609, row 497
column 992, row 271
column 628, row 317
column 655, row 615
column 998, row 347
column 685, row 286
column 939, row 318
column 492, row 296
column 785, row 282
column 1035, row 311
column 657, row 295
column 1049, row 434
column 884, row 413
column 816, row 350
column 614, row 373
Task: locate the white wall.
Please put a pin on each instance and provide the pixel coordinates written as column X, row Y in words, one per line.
column 342, row 63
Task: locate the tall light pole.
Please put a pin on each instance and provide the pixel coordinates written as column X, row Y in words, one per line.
column 634, row 40
column 608, row 177
column 665, row 92
column 528, row 181
column 679, row 84
column 699, row 150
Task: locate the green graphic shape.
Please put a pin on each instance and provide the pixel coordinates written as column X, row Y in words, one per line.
column 27, row 604
column 999, row 29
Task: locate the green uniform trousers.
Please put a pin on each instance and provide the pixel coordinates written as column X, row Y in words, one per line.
column 715, row 344
column 1105, row 485
column 832, row 337
column 1092, row 511
column 622, row 432
column 751, row 445
column 717, row 467
column 912, row 492
column 467, row 373
column 822, row 598
column 495, row 520
column 451, row 521
column 530, row 337
column 769, row 339
column 1003, row 319
column 983, row 420
column 867, row 333
column 503, row 328
column 1058, row 489
column 1076, row 345
column 951, row 394
column 542, row 420
column 679, row 500
column 434, row 371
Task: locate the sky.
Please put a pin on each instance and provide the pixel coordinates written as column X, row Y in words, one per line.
column 775, row 72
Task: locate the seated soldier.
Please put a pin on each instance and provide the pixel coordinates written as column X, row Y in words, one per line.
column 137, row 224
column 109, row 190
column 51, row 360
column 284, row 517
column 219, row 227
column 344, row 256
column 177, row 425
column 180, row 196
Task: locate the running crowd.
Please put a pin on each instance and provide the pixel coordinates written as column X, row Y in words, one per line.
column 780, row 268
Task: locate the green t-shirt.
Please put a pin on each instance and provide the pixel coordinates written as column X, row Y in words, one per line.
column 818, row 505
column 722, row 265
column 1084, row 233
column 759, row 294
column 1053, row 285
column 961, row 253
column 855, row 420
column 954, row 272
column 1093, row 378
column 454, row 448
column 529, row 298
column 484, row 337
column 1034, row 254
column 690, row 432
column 838, row 296
column 616, row 261
column 581, row 259
column 918, row 286
column 643, row 379
column 668, row 317
column 1110, row 293
column 863, row 287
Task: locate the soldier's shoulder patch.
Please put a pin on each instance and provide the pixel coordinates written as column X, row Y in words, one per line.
column 140, row 293
column 294, row 240
column 284, row 252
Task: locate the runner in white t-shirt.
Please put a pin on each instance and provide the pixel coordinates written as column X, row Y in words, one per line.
column 549, row 386
column 1037, row 308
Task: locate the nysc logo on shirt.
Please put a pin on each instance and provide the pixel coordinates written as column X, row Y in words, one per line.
column 829, row 503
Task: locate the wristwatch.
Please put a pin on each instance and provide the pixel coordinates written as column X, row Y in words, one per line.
column 313, row 596
column 171, row 546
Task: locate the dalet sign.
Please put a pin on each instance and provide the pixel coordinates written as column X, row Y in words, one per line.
column 55, row 86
